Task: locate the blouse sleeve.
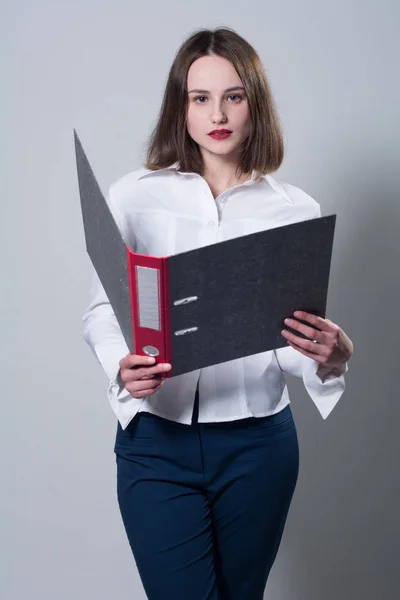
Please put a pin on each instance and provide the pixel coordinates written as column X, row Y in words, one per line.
column 324, row 386
column 103, row 334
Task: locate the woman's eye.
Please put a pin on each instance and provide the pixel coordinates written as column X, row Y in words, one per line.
column 197, row 98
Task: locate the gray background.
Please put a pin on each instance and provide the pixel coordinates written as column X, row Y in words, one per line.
column 101, row 66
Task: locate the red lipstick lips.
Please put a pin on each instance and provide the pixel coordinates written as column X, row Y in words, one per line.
column 220, row 134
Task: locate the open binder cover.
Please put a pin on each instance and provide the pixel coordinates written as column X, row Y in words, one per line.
column 212, row 304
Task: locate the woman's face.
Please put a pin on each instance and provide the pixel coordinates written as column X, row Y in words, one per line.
column 221, row 103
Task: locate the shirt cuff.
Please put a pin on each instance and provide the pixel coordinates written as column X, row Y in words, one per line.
column 326, row 373
column 122, row 403
column 324, row 393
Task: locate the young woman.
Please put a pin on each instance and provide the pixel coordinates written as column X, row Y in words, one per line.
column 207, row 462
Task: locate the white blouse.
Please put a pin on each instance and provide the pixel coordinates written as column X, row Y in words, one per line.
column 177, row 213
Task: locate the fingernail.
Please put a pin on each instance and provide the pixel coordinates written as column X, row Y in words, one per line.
column 151, row 359
column 167, row 367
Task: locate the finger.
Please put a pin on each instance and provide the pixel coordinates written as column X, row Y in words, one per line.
column 310, row 332
column 134, row 374
column 141, row 385
column 317, row 357
column 318, row 322
column 150, row 371
column 144, row 393
column 307, row 345
column 134, row 360
column 159, row 375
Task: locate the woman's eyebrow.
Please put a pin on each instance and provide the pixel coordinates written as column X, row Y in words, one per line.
column 231, row 89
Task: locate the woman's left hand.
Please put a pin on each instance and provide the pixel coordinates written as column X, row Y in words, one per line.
column 332, row 348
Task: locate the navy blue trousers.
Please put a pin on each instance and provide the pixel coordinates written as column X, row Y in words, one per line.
column 204, row 505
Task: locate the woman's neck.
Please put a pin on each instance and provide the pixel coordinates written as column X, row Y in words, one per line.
column 222, row 176
column 219, row 185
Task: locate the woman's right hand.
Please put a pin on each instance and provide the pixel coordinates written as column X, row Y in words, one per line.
column 139, row 376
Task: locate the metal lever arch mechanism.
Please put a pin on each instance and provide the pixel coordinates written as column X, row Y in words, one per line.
column 185, row 331
column 179, row 302
column 185, row 300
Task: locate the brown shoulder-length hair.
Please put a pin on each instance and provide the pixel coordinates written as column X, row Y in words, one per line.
column 170, row 141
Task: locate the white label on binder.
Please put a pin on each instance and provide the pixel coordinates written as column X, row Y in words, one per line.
column 148, row 294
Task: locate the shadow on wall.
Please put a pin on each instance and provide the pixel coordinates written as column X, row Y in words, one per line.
column 343, row 531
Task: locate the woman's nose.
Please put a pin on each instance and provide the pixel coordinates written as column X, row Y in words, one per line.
column 218, row 116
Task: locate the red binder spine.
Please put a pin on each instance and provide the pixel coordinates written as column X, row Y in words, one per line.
column 149, row 306
column 167, row 315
